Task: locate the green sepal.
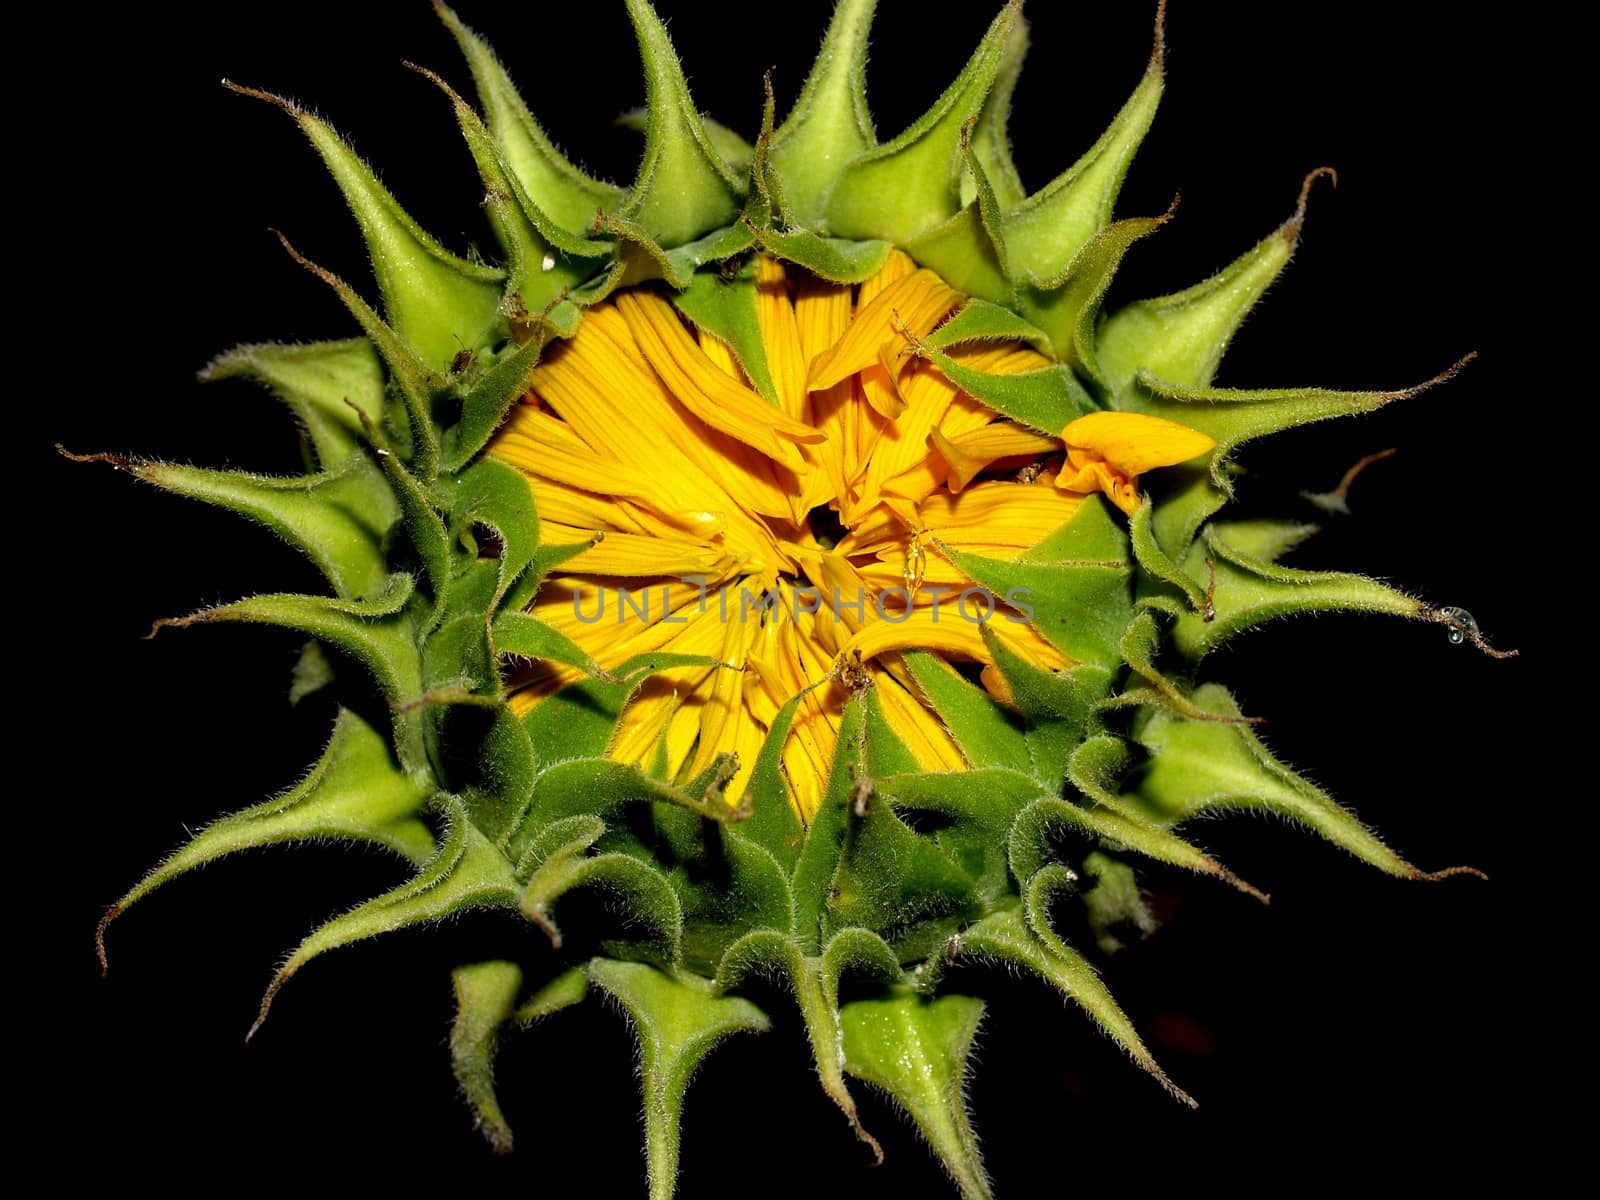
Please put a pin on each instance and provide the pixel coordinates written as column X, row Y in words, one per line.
column 546, row 558
column 546, row 262
column 1263, row 540
column 1076, row 582
column 824, row 842
column 987, row 734
column 970, row 250
column 911, row 184
column 466, row 873
column 684, row 190
column 497, row 496
column 730, row 888
column 485, row 402
column 980, row 320
column 1048, row 229
column 837, row 260
column 727, row 308
column 417, row 383
column 1185, row 498
column 525, row 636
column 312, row 672
column 1190, row 494
column 735, row 152
column 815, row 984
column 435, row 301
column 989, row 139
column 1181, row 338
column 916, row 1050
column 1113, row 901
column 1058, row 705
column 1020, row 935
column 895, row 882
column 375, row 630
column 1094, row 769
column 549, row 180
column 328, row 386
column 966, row 254
column 677, row 1020
column 426, row 532
column 495, row 780
column 601, row 786
column 1250, row 591
column 643, row 258
column 339, row 519
column 565, row 990
column 830, row 124
column 653, row 922
column 1197, row 768
column 981, row 804
column 1066, row 306
column 774, row 825
column 1046, row 400
column 1140, row 645
column 486, row 996
column 355, row 793
column 1153, row 559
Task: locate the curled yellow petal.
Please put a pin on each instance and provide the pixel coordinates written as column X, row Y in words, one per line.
column 1135, row 442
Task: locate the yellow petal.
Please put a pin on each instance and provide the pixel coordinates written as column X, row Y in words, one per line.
column 916, row 304
column 921, row 732
column 1135, row 442
column 705, row 390
column 968, row 454
column 635, row 555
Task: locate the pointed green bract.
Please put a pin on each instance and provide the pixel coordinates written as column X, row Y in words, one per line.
column 916, row 1049
column 830, row 125
column 329, row 386
column 550, row 181
column 486, row 993
column 907, row 186
column 684, row 189
column 1181, row 338
column 677, row 1022
column 672, row 891
column 1048, row 229
column 435, row 301
column 338, row 519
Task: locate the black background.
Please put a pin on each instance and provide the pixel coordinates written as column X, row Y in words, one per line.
column 1358, row 1020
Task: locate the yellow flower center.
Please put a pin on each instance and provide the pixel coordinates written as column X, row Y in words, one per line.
column 795, row 543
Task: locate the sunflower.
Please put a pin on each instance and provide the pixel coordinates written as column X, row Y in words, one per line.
column 802, row 542
column 791, row 549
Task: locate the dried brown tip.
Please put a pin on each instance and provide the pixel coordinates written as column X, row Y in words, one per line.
column 1159, row 53
column 1469, row 631
column 272, row 98
column 120, row 462
column 111, row 915
column 541, row 918
column 1173, row 1090
column 1450, row 872
column 1249, row 889
column 437, row 80
column 863, row 1136
column 1291, row 228
column 278, row 981
column 176, row 623
column 321, row 273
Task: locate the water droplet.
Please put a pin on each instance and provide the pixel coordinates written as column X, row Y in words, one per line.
column 549, row 263
column 1462, row 624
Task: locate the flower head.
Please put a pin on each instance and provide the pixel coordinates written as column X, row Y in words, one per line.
column 794, row 543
